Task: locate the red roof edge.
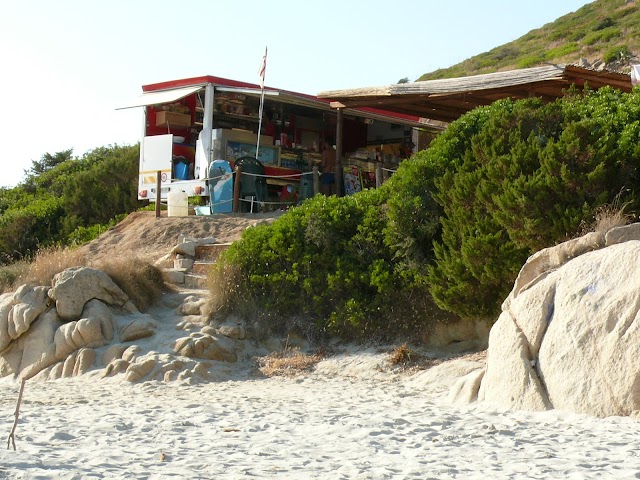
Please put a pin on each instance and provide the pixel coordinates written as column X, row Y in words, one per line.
column 226, row 82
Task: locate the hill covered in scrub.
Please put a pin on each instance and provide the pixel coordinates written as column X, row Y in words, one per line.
column 605, row 33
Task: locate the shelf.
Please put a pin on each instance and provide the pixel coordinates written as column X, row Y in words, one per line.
column 173, row 119
column 237, row 116
column 281, row 181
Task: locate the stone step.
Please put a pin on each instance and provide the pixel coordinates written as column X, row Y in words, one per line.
column 210, row 251
column 174, row 275
column 195, row 281
column 202, row 267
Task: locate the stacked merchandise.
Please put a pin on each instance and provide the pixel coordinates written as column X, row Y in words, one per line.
column 291, row 160
column 352, row 182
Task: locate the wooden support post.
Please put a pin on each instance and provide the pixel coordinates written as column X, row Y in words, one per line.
column 158, row 192
column 236, row 190
column 378, row 174
column 339, row 128
column 316, row 181
column 12, row 435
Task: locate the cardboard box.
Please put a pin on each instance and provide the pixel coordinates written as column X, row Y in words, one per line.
column 173, row 119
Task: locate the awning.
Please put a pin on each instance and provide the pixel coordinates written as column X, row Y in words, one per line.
column 164, row 96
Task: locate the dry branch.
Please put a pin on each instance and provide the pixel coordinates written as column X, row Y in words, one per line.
column 12, row 439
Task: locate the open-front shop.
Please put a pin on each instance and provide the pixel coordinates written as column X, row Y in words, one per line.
column 197, row 131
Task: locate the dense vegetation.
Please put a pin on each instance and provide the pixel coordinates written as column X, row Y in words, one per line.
column 530, row 177
column 457, row 220
column 607, row 30
column 327, row 262
column 65, row 200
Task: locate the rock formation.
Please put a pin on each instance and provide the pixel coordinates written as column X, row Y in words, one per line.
column 568, row 336
column 84, row 323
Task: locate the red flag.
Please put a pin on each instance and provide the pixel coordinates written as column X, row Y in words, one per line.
column 263, row 68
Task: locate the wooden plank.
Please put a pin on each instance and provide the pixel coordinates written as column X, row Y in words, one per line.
column 447, row 99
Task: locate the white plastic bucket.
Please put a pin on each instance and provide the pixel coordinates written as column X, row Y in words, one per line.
column 178, row 204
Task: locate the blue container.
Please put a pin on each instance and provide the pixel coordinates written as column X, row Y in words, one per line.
column 182, row 171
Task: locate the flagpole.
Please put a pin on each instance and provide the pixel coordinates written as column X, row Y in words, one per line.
column 263, row 69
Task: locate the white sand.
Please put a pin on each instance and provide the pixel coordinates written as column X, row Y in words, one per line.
column 347, row 420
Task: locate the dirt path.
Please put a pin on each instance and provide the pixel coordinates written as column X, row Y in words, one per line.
column 142, row 234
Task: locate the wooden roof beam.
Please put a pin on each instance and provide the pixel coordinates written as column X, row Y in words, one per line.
column 434, row 113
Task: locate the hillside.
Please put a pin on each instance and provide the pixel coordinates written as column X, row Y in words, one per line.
column 604, row 30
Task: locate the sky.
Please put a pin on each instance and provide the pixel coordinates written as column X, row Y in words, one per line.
column 66, row 65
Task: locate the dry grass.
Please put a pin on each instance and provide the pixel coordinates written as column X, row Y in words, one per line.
column 223, row 281
column 402, row 355
column 406, row 359
column 140, row 280
column 610, row 216
column 288, row 363
column 606, row 217
column 48, row 262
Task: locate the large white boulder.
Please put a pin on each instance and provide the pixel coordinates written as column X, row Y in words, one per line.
column 18, row 310
column 74, row 287
column 590, row 356
column 569, row 333
column 50, row 340
column 34, row 350
column 509, row 367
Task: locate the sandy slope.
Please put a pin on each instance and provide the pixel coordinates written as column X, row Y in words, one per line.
column 145, row 235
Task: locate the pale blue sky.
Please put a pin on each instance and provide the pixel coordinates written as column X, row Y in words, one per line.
column 67, row 64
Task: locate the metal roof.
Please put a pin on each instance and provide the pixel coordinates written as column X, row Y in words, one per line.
column 174, row 90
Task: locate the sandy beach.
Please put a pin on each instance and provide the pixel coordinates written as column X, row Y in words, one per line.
column 351, row 418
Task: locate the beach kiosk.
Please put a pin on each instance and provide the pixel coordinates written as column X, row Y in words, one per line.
column 190, row 124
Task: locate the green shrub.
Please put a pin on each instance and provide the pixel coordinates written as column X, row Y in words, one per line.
column 577, row 35
column 603, row 23
column 615, row 54
column 105, row 187
column 561, row 51
column 530, row 61
column 326, row 261
column 601, row 36
column 560, row 34
column 26, row 228
column 65, row 200
column 83, row 234
column 530, row 176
